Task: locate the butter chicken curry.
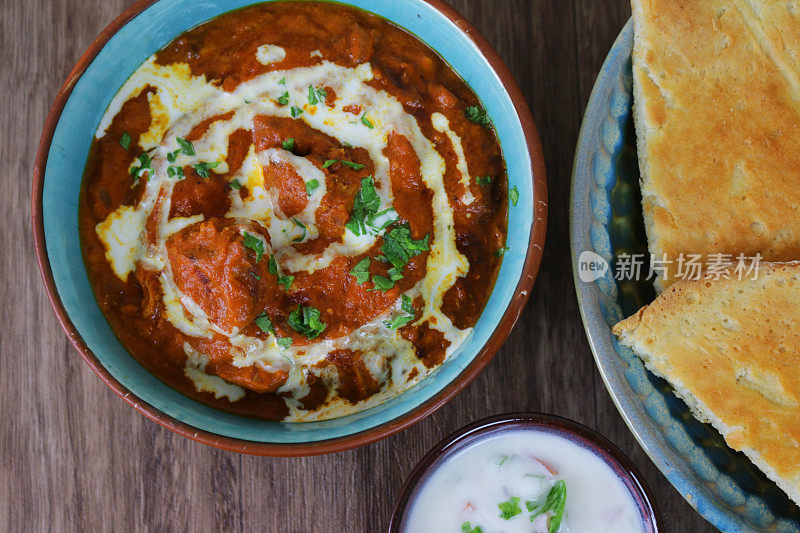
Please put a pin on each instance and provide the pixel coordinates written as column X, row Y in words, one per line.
column 294, row 211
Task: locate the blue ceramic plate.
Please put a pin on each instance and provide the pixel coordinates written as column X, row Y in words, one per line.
column 607, row 220
column 117, row 52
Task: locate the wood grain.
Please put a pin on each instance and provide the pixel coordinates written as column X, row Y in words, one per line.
column 73, row 457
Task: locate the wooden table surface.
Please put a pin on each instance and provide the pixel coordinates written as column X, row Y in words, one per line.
column 74, row 457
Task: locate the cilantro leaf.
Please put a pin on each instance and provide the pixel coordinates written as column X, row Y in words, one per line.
column 186, row 146
column 382, row 283
column 483, row 180
column 265, row 324
column 513, row 195
column 284, row 98
column 366, row 219
column 286, row 281
column 172, row 156
column 398, row 246
column 125, row 140
column 145, row 165
column 316, row 96
column 502, row 251
column 361, row 271
column 509, row 509
column 365, row 121
column 272, row 267
column 295, row 111
column 312, row 96
column 556, row 501
column 283, row 81
column 255, row 244
column 400, row 320
column 174, row 170
column 305, row 320
column 467, row 528
column 354, row 166
column 311, row 186
column 477, row 115
column 367, row 203
column 203, row 168
column 329, row 162
column 288, row 144
column 303, row 227
column 235, row 184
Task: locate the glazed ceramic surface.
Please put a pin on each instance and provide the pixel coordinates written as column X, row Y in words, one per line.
column 606, row 219
column 136, row 35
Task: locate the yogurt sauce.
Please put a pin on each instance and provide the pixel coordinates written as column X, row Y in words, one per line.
column 500, row 483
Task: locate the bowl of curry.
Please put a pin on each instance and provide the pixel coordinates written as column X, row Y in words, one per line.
column 289, row 227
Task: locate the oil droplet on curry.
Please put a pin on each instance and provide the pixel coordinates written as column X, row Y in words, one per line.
column 294, row 211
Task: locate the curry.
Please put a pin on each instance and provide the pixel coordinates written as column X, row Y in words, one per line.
column 294, row 211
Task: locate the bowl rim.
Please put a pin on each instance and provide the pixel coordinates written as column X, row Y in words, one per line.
column 485, row 354
column 523, row 421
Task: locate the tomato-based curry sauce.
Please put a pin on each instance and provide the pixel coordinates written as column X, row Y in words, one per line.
column 294, row 211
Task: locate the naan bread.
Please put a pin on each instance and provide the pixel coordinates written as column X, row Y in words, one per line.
column 717, row 113
column 731, row 350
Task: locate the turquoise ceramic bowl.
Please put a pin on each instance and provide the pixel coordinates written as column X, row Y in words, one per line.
column 117, row 52
column 606, row 219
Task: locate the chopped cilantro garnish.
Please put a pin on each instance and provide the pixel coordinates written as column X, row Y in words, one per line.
column 283, row 81
column 382, row 283
column 509, row 509
column 329, row 162
column 361, row 271
column 286, row 281
column 172, row 156
column 305, row 320
column 513, row 195
column 365, row 121
column 467, row 528
column 502, row 251
column 284, row 99
column 556, row 501
column 125, row 140
column 145, row 165
column 203, row 168
column 394, row 274
column 398, row 246
column 235, row 184
column 174, row 170
column 483, row 180
column 347, row 144
column 303, row 227
column 401, row 320
column 265, row 324
column 315, row 96
column 255, row 244
column 186, row 146
column 296, row 111
column 354, row 166
column 366, row 219
column 288, row 144
column 311, row 186
column 477, row 115
column 272, row 267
